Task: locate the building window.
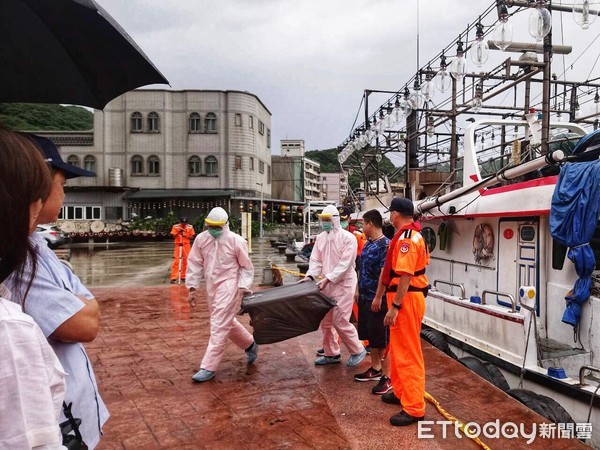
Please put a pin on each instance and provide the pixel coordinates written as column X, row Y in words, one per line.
column 136, row 122
column 268, row 138
column 137, row 165
column 89, row 163
column 238, row 163
column 153, row 165
column 195, row 123
column 153, row 122
column 238, row 120
column 73, row 160
column 268, row 174
column 251, row 163
column 211, row 165
column 251, row 119
column 81, row 213
column 261, row 166
column 261, row 127
column 113, row 213
column 194, row 166
column 210, row 123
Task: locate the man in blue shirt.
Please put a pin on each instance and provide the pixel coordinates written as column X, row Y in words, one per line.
column 63, row 308
column 372, row 310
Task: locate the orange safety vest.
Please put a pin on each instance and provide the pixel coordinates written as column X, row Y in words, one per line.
column 409, row 243
column 361, row 240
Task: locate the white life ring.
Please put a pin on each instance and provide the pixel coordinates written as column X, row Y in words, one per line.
column 97, row 226
column 483, row 242
column 67, row 227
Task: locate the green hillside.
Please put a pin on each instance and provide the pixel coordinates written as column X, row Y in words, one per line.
column 45, row 117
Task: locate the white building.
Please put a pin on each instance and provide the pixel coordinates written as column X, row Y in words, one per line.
column 335, row 187
column 296, row 177
column 156, row 151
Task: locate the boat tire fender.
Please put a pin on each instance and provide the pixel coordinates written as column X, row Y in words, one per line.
column 560, row 414
column 541, row 404
column 477, row 366
column 438, row 340
column 498, row 377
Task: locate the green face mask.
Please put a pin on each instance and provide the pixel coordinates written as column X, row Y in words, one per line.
column 344, row 224
column 327, row 226
column 215, row 233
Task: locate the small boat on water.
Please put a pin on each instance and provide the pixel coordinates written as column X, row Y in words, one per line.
column 500, row 274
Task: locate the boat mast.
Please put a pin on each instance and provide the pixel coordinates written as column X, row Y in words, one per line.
column 546, row 88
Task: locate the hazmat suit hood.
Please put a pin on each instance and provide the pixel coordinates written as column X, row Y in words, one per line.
column 332, row 211
column 217, row 217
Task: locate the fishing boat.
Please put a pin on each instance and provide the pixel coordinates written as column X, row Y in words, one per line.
column 500, row 274
column 508, row 200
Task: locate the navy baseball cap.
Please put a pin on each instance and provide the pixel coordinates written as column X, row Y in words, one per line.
column 344, row 212
column 53, row 158
column 402, row 205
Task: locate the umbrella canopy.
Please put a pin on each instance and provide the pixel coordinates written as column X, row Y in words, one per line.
column 67, row 51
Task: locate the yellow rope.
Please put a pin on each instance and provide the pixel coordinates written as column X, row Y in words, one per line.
column 291, row 272
column 450, row 417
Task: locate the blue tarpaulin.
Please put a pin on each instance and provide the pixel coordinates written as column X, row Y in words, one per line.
column 573, row 221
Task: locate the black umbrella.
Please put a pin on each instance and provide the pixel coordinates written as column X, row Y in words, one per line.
column 67, row 51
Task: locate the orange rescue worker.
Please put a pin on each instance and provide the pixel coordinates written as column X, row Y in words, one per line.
column 182, row 232
column 346, row 225
column 406, row 285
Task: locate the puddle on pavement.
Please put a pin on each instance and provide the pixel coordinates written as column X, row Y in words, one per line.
column 149, row 263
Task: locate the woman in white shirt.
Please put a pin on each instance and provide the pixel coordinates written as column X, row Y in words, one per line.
column 32, row 382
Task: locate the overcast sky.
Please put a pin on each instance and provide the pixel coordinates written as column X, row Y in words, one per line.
column 309, row 61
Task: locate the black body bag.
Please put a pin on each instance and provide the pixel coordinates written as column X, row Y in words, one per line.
column 285, row 312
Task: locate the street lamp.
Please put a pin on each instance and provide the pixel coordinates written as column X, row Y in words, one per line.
column 260, row 215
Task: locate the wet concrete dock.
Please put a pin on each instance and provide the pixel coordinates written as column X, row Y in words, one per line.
column 150, row 345
column 123, row 264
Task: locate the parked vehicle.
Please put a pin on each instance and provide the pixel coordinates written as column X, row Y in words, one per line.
column 52, row 234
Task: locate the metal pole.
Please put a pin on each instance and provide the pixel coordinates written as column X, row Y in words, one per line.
column 261, row 235
column 412, row 151
column 260, row 213
column 546, row 89
column 454, row 140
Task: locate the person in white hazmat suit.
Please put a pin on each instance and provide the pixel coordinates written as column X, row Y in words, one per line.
column 220, row 256
column 331, row 264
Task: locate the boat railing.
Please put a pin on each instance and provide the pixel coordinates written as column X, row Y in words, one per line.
column 582, row 373
column 451, row 283
column 513, row 302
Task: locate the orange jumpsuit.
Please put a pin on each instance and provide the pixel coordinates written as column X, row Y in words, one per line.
column 182, row 241
column 410, row 256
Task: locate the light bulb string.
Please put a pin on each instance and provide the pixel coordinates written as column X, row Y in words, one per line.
column 464, row 86
column 431, row 63
column 472, row 26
